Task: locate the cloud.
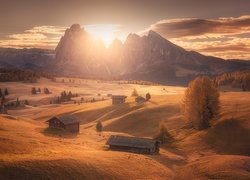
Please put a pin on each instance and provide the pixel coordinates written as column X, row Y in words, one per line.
column 37, row 37
column 226, row 37
column 56, row 30
column 177, row 28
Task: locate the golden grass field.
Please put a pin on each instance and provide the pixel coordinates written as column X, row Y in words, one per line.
column 28, row 150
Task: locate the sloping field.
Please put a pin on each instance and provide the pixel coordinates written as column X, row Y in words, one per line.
column 28, row 150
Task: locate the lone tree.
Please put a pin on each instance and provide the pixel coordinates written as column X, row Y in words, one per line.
column 26, row 102
column 33, row 90
column 6, row 92
column 46, row 91
column 2, row 100
column 148, row 96
column 99, row 126
column 201, row 102
column 163, row 135
column 134, row 92
column 17, row 102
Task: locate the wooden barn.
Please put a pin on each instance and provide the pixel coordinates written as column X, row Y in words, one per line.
column 133, row 144
column 118, row 99
column 67, row 122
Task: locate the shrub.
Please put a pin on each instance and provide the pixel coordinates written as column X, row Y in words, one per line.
column 99, row 126
column 134, row 92
column 26, row 102
column 201, row 102
column 163, row 135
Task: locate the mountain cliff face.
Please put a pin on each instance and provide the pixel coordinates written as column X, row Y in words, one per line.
column 150, row 57
column 154, row 58
column 78, row 53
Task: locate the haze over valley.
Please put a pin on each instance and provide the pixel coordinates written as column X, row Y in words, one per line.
column 124, row 89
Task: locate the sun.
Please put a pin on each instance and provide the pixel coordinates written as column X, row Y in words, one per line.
column 106, row 32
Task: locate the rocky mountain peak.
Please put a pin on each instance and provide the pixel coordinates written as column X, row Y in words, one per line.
column 75, row 27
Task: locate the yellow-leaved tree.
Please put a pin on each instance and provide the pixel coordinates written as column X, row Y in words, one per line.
column 201, row 102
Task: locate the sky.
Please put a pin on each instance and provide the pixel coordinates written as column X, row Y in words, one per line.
column 212, row 27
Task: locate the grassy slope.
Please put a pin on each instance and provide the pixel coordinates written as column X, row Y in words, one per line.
column 28, row 149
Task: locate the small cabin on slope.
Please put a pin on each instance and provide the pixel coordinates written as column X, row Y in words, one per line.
column 140, row 99
column 67, row 122
column 133, row 144
column 118, row 99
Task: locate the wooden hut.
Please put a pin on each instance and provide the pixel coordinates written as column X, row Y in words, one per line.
column 118, row 99
column 67, row 122
column 140, row 99
column 133, row 144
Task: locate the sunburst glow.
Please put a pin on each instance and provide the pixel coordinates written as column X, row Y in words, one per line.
column 106, row 32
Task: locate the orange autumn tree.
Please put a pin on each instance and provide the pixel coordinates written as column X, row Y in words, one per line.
column 200, row 103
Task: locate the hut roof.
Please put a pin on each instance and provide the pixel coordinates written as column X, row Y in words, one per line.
column 140, row 99
column 119, row 96
column 127, row 141
column 67, row 119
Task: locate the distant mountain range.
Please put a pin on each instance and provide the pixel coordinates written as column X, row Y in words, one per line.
column 150, row 57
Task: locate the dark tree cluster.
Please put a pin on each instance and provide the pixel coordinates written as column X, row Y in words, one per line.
column 38, row 90
column 18, row 75
column 27, row 76
column 138, row 82
column 4, row 92
column 235, row 79
column 65, row 96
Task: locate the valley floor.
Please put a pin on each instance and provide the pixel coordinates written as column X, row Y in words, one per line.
column 29, row 150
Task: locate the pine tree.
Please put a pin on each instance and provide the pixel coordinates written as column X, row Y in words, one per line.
column 134, row 92
column 148, row 96
column 99, row 126
column 200, row 103
column 46, row 91
column 163, row 135
column 2, row 100
column 17, row 102
column 69, row 96
column 6, row 92
column 26, row 102
column 33, row 90
column 58, row 100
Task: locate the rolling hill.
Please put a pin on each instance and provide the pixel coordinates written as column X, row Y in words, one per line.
column 30, row 150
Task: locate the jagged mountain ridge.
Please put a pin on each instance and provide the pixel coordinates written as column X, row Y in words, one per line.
column 150, row 57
